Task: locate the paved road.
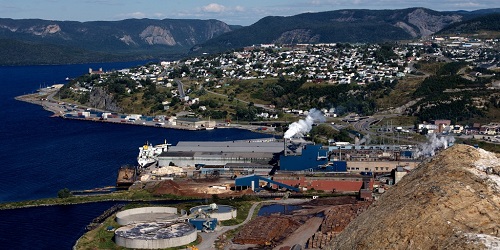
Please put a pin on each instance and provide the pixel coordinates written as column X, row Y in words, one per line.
column 302, row 234
column 208, row 239
column 363, row 126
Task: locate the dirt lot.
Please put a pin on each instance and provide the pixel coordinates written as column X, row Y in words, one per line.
column 203, row 188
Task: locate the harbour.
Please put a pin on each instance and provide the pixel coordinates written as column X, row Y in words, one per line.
column 45, row 155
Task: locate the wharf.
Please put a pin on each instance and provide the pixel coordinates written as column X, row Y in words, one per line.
column 68, row 111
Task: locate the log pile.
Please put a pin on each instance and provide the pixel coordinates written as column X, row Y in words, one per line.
column 263, row 230
column 336, row 219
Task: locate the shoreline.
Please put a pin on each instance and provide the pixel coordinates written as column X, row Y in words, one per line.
column 44, row 97
column 63, row 202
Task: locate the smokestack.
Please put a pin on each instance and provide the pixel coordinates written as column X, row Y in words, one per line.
column 284, row 146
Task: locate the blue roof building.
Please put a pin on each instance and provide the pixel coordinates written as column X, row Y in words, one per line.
column 312, row 157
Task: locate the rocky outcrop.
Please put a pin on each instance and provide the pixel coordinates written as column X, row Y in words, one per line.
column 128, row 40
column 428, row 23
column 40, row 30
column 298, row 36
column 452, row 201
column 101, row 99
column 215, row 28
column 157, row 35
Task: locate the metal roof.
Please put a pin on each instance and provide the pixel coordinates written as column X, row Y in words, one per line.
column 228, row 146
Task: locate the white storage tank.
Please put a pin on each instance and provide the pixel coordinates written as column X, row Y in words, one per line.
column 220, row 212
column 155, row 235
column 146, row 214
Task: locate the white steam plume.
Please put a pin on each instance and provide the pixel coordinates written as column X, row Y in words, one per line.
column 433, row 143
column 366, row 140
column 303, row 126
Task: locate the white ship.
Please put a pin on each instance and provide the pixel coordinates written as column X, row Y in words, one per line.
column 148, row 154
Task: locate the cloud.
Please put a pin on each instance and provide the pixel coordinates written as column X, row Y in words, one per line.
column 214, row 8
column 239, row 8
column 467, row 5
column 139, row 15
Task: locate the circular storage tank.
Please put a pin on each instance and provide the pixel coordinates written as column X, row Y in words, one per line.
column 146, row 214
column 221, row 213
column 155, row 235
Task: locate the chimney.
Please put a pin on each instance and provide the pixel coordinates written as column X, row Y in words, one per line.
column 284, row 146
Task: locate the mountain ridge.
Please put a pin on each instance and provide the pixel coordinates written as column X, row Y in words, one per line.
column 350, row 25
column 145, row 38
column 172, row 39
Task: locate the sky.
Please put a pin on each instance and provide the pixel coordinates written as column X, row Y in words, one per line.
column 236, row 12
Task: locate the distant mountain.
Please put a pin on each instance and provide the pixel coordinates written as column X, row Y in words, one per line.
column 365, row 26
column 489, row 22
column 35, row 41
column 130, row 38
column 15, row 52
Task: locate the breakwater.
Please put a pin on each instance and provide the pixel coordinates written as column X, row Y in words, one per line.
column 101, row 218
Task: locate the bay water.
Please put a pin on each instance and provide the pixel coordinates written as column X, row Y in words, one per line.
column 40, row 155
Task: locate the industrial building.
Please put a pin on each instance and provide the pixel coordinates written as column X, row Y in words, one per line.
column 296, row 165
column 234, row 169
column 194, row 123
column 374, row 158
column 254, row 182
column 304, row 157
column 328, row 182
column 212, row 153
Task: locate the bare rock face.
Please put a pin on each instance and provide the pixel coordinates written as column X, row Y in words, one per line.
column 51, row 29
column 157, row 35
column 452, row 201
column 128, row 40
column 298, row 36
column 101, row 99
column 410, row 30
column 216, row 28
column 42, row 30
column 429, row 24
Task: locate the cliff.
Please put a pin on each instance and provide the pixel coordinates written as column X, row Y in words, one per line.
column 451, row 201
column 101, row 99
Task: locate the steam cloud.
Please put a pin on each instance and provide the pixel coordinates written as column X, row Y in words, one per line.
column 303, row 126
column 433, row 143
column 366, row 140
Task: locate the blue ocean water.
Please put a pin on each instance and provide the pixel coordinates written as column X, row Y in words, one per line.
column 40, row 155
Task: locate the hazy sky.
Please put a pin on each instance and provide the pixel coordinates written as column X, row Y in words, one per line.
column 243, row 12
